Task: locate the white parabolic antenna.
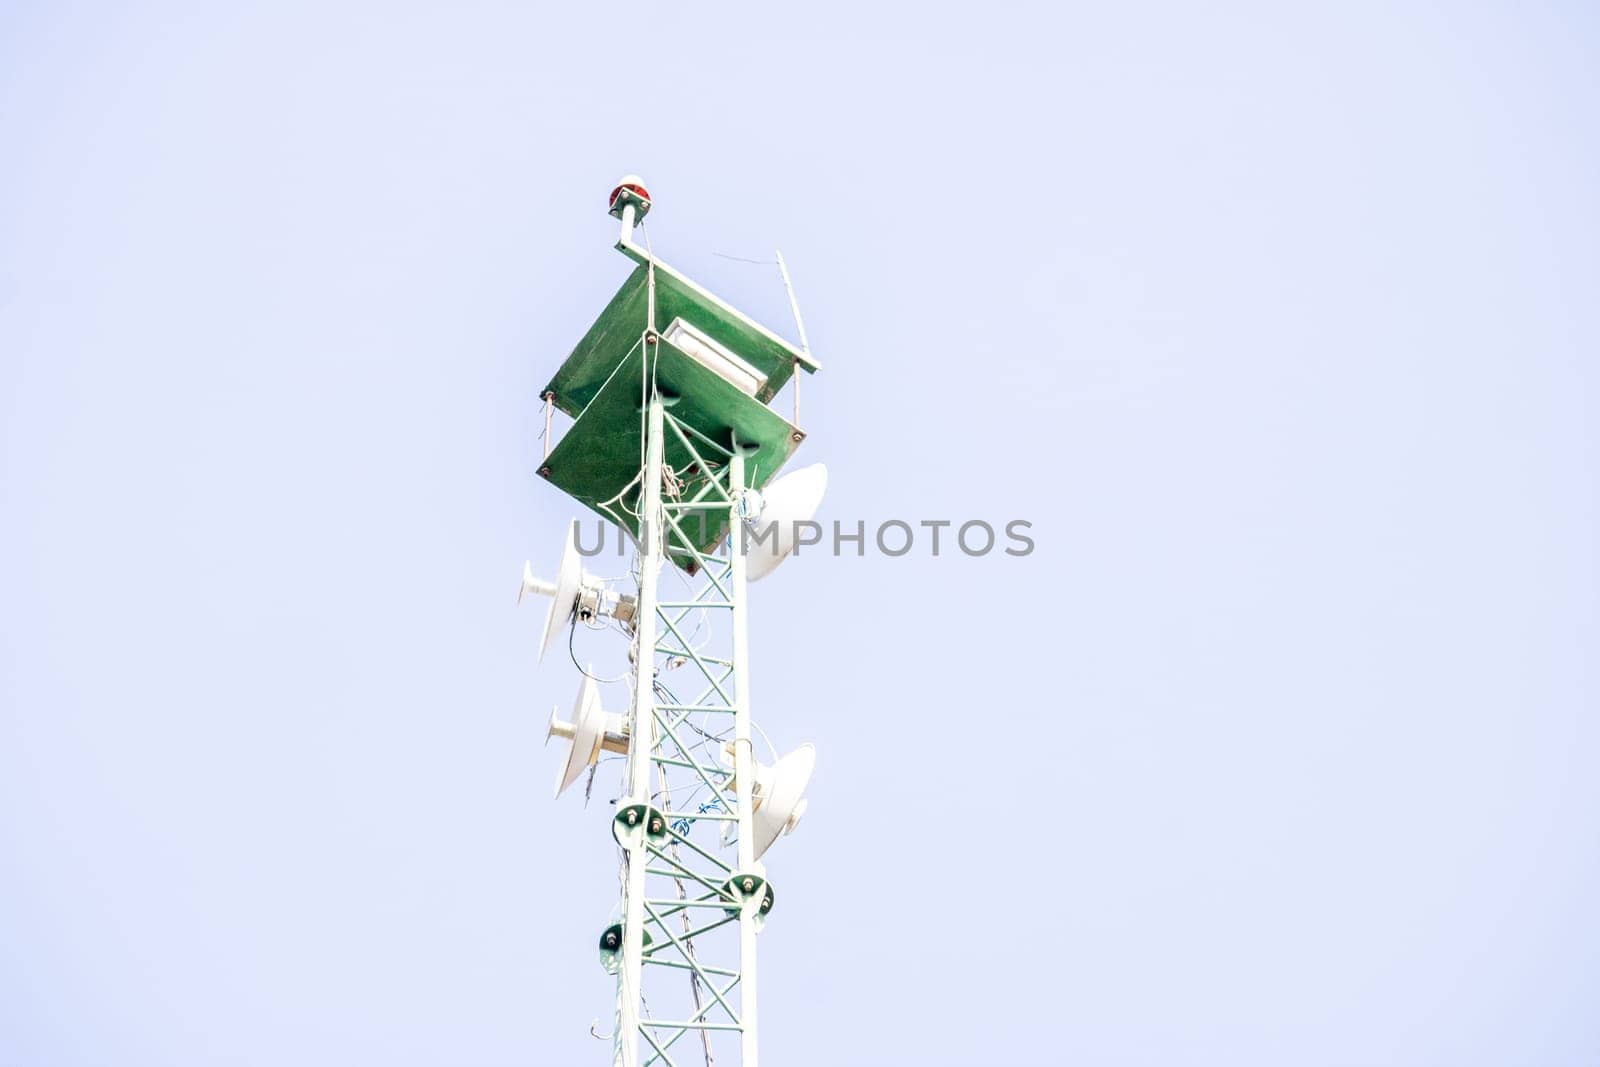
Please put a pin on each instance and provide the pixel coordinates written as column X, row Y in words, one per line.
column 780, row 796
column 563, row 592
column 792, row 499
column 585, row 733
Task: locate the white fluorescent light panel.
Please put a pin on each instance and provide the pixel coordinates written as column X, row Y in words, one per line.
column 714, row 357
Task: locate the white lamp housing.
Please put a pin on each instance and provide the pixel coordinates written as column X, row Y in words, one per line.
column 714, row 357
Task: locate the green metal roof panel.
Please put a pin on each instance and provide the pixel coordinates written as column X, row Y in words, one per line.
column 600, row 455
column 622, row 324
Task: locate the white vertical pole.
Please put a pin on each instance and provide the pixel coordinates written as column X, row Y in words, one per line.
column 744, row 764
column 629, row 221
column 799, row 324
column 794, row 305
column 641, row 739
column 549, row 408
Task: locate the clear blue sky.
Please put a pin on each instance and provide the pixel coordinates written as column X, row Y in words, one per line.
column 1280, row 325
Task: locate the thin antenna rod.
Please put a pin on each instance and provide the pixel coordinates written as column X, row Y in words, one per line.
column 549, row 404
column 799, row 324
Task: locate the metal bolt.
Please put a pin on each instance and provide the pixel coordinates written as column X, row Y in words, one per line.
column 611, row 941
column 655, row 826
column 633, row 816
column 797, row 436
column 749, row 885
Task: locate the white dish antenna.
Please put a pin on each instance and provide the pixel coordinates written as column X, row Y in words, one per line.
column 563, row 592
column 779, row 802
column 587, row 733
column 792, row 499
column 778, row 798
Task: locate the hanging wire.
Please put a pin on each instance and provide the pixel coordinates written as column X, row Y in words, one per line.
column 572, row 634
column 770, row 746
column 688, row 944
column 742, row 259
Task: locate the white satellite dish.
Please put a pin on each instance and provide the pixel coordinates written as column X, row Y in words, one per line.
column 590, row 730
column 792, row 499
column 564, row 592
column 777, row 801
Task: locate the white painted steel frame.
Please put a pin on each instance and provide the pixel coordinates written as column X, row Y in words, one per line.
column 685, row 878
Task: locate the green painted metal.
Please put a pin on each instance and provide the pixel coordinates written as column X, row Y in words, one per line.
column 625, row 318
column 638, row 821
column 597, row 461
column 611, row 945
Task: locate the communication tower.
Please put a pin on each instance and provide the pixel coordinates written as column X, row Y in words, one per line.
column 674, row 441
